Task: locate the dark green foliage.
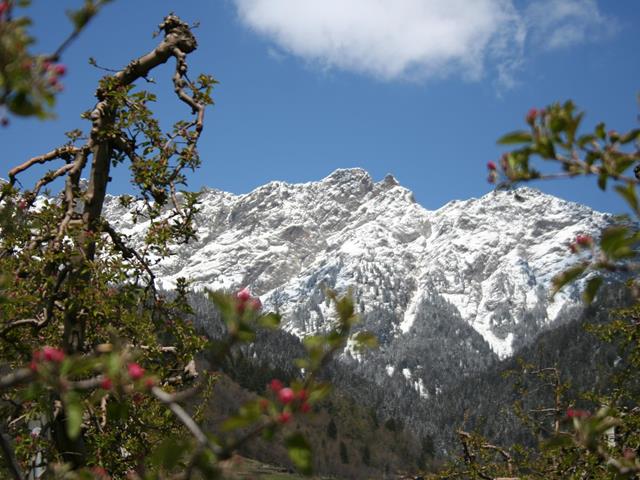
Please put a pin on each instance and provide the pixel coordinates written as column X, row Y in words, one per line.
column 344, row 454
column 366, row 455
column 390, row 425
column 332, row 430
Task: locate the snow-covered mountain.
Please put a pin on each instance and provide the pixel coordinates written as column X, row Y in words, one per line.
column 486, row 261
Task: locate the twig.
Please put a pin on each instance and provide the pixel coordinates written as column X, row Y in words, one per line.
column 185, row 419
column 128, row 252
column 47, row 312
column 55, row 56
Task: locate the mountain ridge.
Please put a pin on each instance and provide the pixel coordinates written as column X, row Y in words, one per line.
column 492, row 258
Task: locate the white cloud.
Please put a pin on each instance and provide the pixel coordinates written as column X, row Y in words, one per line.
column 417, row 39
column 563, row 23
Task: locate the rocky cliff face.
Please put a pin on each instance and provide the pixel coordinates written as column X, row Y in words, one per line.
column 471, row 277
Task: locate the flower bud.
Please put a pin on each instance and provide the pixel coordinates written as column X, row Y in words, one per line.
column 243, row 295
column 284, row 417
column 106, row 384
column 60, row 69
column 584, row 240
column 576, row 413
column 51, row 354
column 136, row 372
column 275, row 385
column 286, row 395
column 255, row 304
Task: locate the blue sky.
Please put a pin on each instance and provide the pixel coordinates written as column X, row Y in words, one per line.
column 417, row 88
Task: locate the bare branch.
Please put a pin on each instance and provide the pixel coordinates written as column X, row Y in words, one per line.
column 179, row 84
column 47, row 312
column 10, row 457
column 47, row 179
column 17, row 377
column 185, row 419
column 470, row 458
column 128, row 252
column 33, row 322
column 65, row 153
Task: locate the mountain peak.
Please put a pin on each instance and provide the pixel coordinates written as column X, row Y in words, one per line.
column 489, row 259
column 342, row 175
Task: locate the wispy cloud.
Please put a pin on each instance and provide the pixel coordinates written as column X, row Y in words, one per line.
column 419, row 39
column 558, row 24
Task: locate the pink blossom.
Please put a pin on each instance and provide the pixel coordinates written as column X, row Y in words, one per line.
column 284, row 417
column 576, row 413
column 584, row 240
column 275, row 385
column 255, row 304
column 51, row 354
column 286, row 395
column 60, row 69
column 106, row 384
column 136, row 372
column 243, row 295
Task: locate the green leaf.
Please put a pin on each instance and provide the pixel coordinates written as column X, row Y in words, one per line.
column 235, row 423
column 319, row 392
column 558, row 124
column 630, row 136
column 268, row 433
column 365, row 340
column 345, row 308
column 591, row 289
column 22, row 105
column 585, row 139
column 516, row 137
column 545, row 148
column 247, row 414
column 313, row 341
column 630, row 195
column 117, row 411
column 557, row 442
column 169, row 453
column 73, row 412
column 591, row 157
column 113, row 365
column 224, row 302
column 300, row 453
column 616, row 242
column 601, row 131
column 602, row 180
column 567, row 276
column 622, row 163
column 572, row 127
column 206, row 462
column 270, row 320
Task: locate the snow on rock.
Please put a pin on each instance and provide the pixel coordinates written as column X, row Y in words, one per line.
column 492, row 258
